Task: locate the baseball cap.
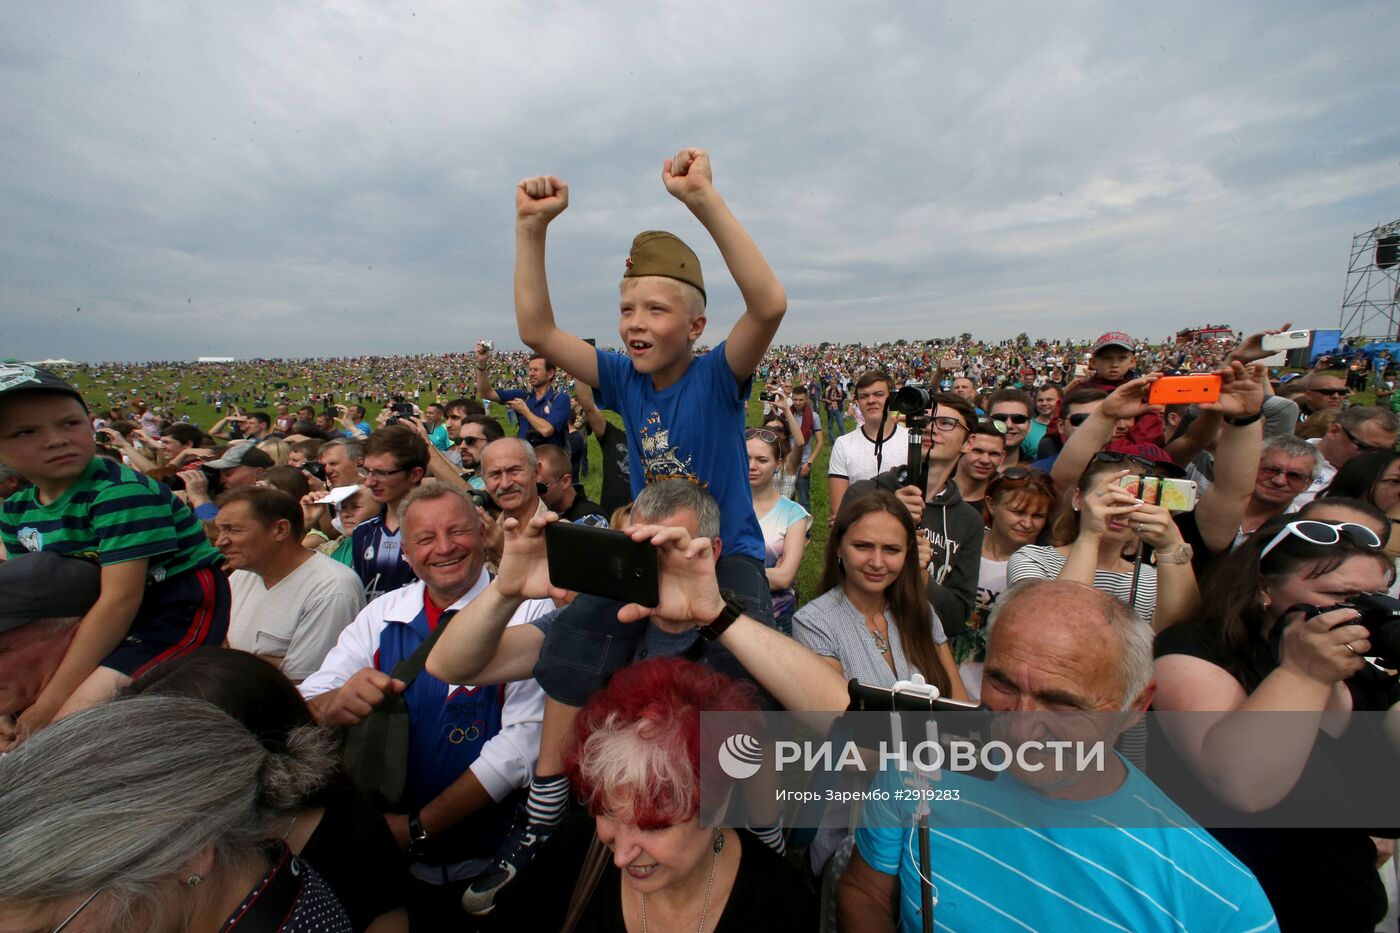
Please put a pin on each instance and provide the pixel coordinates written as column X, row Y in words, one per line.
column 46, row 585
column 246, row 454
column 21, row 377
column 1147, row 452
column 1113, row 338
column 656, row 252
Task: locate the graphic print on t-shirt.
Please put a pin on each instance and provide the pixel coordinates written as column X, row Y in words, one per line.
column 659, row 459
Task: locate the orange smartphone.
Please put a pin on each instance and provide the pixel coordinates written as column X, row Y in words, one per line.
column 1185, row 390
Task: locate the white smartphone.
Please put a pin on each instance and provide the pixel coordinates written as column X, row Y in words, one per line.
column 1287, row 340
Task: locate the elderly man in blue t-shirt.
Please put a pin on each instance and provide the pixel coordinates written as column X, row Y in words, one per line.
column 1008, row 855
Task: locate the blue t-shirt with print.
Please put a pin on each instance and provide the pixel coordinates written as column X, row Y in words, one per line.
column 693, row 429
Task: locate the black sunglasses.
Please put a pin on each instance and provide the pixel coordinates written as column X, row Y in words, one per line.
column 1078, row 418
column 1361, row 445
column 1014, row 419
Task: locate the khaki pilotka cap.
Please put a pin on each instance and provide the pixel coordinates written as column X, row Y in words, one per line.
column 656, row 252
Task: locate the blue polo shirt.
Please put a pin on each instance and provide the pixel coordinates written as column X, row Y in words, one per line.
column 554, row 408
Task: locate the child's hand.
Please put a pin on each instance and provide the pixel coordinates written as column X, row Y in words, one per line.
column 688, row 175
column 541, row 198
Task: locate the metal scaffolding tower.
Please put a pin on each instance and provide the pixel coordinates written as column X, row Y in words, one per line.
column 1371, row 302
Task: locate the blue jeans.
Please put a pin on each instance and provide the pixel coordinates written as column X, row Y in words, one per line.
column 835, row 423
column 802, row 491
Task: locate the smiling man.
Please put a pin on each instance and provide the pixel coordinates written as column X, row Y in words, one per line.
column 289, row 604
column 470, row 746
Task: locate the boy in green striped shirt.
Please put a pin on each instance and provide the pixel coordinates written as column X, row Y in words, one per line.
column 162, row 591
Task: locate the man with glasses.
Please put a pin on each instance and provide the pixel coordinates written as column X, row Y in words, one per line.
column 1326, row 392
column 1011, row 408
column 864, row 453
column 560, row 494
column 953, row 527
column 396, row 459
column 1359, row 430
column 1287, row 466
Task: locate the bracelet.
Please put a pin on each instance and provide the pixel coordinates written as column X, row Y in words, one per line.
column 1181, row 554
column 1245, row 420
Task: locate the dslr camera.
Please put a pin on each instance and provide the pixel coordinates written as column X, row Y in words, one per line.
column 1380, row 616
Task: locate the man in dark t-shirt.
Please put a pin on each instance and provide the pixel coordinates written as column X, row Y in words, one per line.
column 617, row 480
column 560, row 494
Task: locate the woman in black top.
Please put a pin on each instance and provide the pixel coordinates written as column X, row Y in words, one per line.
column 635, row 760
column 1254, row 652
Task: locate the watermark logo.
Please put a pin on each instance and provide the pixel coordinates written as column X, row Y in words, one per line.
column 740, row 756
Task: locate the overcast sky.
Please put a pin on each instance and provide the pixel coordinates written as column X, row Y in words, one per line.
column 333, row 178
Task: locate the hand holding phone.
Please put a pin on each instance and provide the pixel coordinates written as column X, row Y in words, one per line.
column 1174, row 495
column 1195, row 389
column 602, row 562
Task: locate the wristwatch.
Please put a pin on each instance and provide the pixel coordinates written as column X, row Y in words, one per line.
column 417, row 835
column 731, row 611
column 1181, row 554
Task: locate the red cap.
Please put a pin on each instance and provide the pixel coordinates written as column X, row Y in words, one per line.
column 1112, row 339
column 1150, row 452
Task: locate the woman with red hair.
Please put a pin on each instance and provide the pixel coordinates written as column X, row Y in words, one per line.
column 635, row 763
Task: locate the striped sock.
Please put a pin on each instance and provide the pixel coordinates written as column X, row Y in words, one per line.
column 772, row 837
column 548, row 800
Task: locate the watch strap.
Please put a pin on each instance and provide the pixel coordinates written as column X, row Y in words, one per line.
column 731, row 611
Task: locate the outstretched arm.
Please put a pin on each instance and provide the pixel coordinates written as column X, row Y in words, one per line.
column 538, row 201
column 689, row 179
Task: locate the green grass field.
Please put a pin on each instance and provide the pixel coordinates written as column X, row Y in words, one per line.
column 156, row 380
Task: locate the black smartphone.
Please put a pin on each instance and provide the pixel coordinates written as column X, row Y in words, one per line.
column 602, row 562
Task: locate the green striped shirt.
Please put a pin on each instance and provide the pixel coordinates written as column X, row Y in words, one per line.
column 118, row 514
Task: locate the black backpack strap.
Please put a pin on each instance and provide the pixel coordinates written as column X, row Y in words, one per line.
column 411, row 666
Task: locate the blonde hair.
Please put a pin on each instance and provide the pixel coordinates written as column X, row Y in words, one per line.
column 691, row 297
column 276, row 448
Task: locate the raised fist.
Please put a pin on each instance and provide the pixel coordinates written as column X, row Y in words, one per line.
column 541, row 198
column 688, row 175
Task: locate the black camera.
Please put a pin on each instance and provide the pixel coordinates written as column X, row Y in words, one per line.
column 765, row 396
column 216, row 483
column 1380, row 616
column 401, row 410
column 912, row 400
column 314, row 468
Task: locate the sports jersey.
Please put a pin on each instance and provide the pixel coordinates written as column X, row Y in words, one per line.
column 378, row 557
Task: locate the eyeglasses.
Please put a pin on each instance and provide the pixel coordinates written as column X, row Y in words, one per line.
column 1293, row 477
column 1113, row 456
column 1361, row 445
column 1078, row 418
column 81, row 907
column 1004, row 417
column 384, row 474
column 763, row 434
column 945, row 425
column 1334, row 393
column 1324, row 533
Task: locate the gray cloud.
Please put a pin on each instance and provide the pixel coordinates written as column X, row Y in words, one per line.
column 268, row 179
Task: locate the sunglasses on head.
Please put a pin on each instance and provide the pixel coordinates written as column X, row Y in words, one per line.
column 763, row 434
column 1004, row 417
column 1323, row 533
column 998, row 426
column 1113, row 456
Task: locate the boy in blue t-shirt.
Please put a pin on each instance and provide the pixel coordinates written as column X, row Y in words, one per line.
column 684, row 415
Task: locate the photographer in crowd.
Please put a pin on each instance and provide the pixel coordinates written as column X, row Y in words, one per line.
column 543, row 411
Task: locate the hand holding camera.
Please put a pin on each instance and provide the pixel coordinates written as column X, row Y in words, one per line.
column 1327, row 647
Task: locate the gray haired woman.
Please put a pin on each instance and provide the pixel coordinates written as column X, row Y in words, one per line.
column 159, row 813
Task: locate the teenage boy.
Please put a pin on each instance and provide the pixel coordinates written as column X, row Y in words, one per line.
column 1111, row 362
column 684, row 416
column 981, row 459
column 161, row 592
column 811, row 443
column 864, row 453
column 396, row 459
column 1011, row 408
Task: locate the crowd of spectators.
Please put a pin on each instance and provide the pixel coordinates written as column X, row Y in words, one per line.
column 190, row 614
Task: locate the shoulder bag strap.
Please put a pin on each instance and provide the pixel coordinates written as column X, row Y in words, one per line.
column 411, row 666
column 593, row 864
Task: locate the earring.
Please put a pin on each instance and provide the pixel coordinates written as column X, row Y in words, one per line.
column 193, row 880
column 718, row 842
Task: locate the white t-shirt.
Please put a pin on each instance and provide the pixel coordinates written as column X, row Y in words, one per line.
column 853, row 454
column 991, row 583
column 300, row 618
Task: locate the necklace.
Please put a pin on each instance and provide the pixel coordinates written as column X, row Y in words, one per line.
column 709, row 886
column 882, row 644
